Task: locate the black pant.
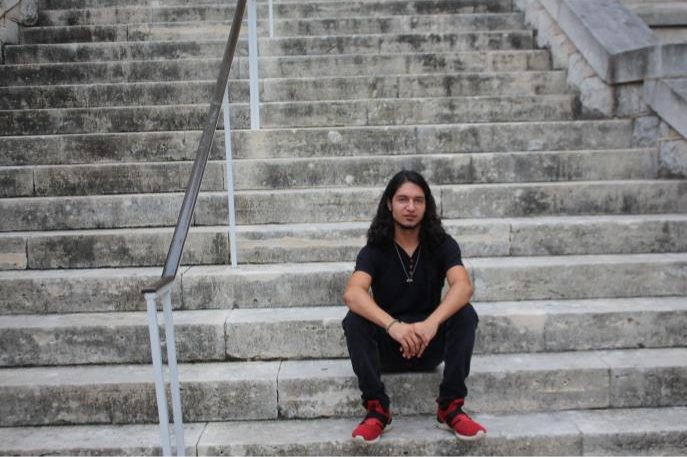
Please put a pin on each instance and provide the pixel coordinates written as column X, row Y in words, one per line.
column 372, row 352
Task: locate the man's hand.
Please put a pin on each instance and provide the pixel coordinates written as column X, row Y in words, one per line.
column 425, row 330
column 411, row 344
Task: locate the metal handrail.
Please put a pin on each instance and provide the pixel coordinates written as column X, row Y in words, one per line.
column 176, row 247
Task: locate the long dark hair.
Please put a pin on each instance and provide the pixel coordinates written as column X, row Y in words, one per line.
column 381, row 231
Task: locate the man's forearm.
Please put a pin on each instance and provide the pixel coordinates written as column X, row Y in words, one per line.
column 361, row 303
column 457, row 296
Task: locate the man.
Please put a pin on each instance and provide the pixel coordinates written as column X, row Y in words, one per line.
column 407, row 326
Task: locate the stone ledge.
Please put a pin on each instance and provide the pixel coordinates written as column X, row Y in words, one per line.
column 614, row 40
column 668, row 97
column 659, row 431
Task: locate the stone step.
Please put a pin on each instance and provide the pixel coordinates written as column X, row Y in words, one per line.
column 658, row 431
column 161, row 31
column 321, row 284
column 505, row 327
column 312, row 173
column 327, row 388
column 358, row 44
column 654, row 431
column 494, row 279
column 45, row 5
column 274, row 90
column 323, row 142
column 340, row 242
column 282, row 10
column 324, row 113
column 304, row 333
column 344, row 204
column 274, row 67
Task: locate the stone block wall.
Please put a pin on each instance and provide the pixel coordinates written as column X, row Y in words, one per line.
column 14, row 13
column 599, row 97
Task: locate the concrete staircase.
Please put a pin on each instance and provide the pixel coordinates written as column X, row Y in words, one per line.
column 574, row 232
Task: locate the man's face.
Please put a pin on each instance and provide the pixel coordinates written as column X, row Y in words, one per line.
column 408, row 206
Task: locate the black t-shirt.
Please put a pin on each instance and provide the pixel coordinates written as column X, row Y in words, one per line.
column 390, row 288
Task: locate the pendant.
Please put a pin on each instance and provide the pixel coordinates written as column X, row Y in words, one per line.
column 409, row 280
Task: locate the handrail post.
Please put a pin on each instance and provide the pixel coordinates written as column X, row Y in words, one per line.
column 162, row 412
column 253, row 65
column 170, row 339
column 270, row 13
column 230, row 179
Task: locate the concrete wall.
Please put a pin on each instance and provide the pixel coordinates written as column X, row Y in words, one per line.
column 619, row 67
column 12, row 14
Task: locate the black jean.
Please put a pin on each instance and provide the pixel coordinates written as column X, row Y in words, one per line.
column 373, row 351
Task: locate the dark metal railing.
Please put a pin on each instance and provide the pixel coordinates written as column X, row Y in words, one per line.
column 176, row 247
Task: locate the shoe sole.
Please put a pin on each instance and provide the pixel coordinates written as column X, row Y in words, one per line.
column 478, row 436
column 359, row 439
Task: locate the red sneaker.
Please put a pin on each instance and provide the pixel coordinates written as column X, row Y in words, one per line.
column 376, row 422
column 453, row 418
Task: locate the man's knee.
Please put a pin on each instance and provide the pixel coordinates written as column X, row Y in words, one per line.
column 465, row 319
column 354, row 323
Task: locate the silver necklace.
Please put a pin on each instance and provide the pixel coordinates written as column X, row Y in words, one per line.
column 409, row 277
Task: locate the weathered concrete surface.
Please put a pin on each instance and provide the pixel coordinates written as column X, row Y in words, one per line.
column 123, row 178
column 320, row 142
column 316, row 333
column 648, row 377
column 301, row 89
column 599, row 197
column 440, row 169
column 654, row 431
column 101, row 211
column 23, row 12
column 660, row 13
column 427, row 62
column 340, row 242
column 124, row 248
column 370, row 112
column 580, row 325
column 68, row 339
column 125, row 394
column 94, row 440
column 12, row 14
column 505, row 327
column 668, row 97
column 265, row 286
column 343, row 44
column 668, row 60
column 291, row 206
column 324, row 9
column 55, row 291
column 673, row 158
column 522, row 434
column 314, row 389
column 659, row 431
column 535, row 278
column 16, row 182
column 13, row 253
column 193, row 30
column 522, row 382
column 615, row 42
column 597, row 235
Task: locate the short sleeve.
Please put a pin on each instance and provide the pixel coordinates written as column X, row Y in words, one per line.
column 364, row 261
column 451, row 253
